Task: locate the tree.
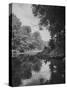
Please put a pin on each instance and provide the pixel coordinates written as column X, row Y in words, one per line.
column 24, row 34
column 14, row 22
column 20, row 34
column 38, row 43
column 55, row 16
column 14, row 25
column 52, row 44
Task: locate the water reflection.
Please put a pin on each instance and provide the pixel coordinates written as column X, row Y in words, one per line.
column 42, row 76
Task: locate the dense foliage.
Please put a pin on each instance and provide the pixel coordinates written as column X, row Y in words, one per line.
column 54, row 16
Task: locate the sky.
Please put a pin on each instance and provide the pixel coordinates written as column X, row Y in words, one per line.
column 26, row 16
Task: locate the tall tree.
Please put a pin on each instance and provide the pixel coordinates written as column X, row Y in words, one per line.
column 55, row 16
column 14, row 25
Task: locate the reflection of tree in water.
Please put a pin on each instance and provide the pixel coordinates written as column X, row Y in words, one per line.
column 23, row 40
